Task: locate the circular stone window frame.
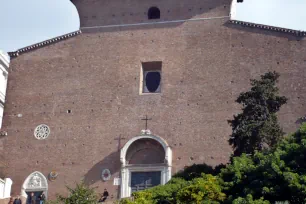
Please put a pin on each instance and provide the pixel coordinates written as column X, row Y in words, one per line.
column 45, row 134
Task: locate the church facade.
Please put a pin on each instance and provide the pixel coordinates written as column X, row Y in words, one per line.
column 143, row 90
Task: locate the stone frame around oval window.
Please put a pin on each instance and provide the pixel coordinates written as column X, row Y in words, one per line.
column 147, row 67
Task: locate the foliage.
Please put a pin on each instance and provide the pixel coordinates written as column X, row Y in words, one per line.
column 143, row 197
column 125, row 201
column 196, row 171
column 161, row 194
column 202, row 190
column 249, row 200
column 81, row 194
column 257, row 125
column 205, row 189
column 277, row 175
column 53, row 202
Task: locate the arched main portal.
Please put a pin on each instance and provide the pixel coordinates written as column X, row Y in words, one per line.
column 37, row 183
column 146, row 162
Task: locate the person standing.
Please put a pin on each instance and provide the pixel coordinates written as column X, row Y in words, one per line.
column 42, row 198
column 32, row 199
column 17, row 200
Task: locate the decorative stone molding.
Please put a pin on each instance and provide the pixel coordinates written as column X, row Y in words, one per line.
column 53, row 175
column 106, row 175
column 35, row 182
column 42, row 132
column 3, row 133
column 272, row 28
column 146, row 132
column 168, row 151
column 44, row 43
column 126, row 170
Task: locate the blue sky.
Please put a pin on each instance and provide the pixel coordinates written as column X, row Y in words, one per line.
column 26, row 22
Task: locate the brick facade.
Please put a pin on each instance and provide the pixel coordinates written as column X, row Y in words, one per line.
column 96, row 75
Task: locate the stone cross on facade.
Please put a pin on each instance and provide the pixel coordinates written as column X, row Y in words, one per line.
column 146, row 119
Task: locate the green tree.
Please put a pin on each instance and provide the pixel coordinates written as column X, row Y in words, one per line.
column 202, row 190
column 81, row 194
column 196, row 171
column 278, row 175
column 159, row 194
column 257, row 126
column 249, row 200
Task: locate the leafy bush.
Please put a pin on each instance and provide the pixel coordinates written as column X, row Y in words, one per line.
column 81, row 194
column 249, row 200
column 276, row 175
column 160, row 194
column 202, row 190
column 196, row 171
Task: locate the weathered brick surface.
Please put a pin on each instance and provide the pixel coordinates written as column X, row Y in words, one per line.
column 96, row 75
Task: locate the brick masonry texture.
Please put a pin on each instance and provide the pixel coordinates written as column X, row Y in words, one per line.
column 96, row 75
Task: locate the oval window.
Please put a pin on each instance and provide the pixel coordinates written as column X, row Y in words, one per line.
column 153, row 81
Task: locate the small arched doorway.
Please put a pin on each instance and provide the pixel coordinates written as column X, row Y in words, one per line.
column 37, row 183
column 146, row 162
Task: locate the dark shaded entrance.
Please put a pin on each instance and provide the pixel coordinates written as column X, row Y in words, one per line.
column 37, row 195
column 143, row 180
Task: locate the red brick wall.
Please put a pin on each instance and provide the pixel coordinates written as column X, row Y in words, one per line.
column 96, row 75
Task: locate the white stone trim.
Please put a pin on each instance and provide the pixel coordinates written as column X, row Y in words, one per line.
column 4, row 57
column 126, row 170
column 25, row 188
column 168, row 151
column 5, row 188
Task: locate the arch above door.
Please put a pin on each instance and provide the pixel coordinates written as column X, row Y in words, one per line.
column 158, row 172
column 35, row 182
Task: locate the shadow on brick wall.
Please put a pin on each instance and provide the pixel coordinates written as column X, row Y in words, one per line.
column 111, row 162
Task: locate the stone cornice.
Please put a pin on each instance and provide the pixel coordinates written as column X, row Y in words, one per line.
column 44, row 43
column 272, row 28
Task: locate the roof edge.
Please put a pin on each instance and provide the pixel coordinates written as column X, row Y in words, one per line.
column 272, row 28
column 43, row 43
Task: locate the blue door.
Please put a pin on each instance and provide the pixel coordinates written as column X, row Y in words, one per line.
column 143, row 180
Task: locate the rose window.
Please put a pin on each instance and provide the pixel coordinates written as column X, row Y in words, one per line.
column 41, row 132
